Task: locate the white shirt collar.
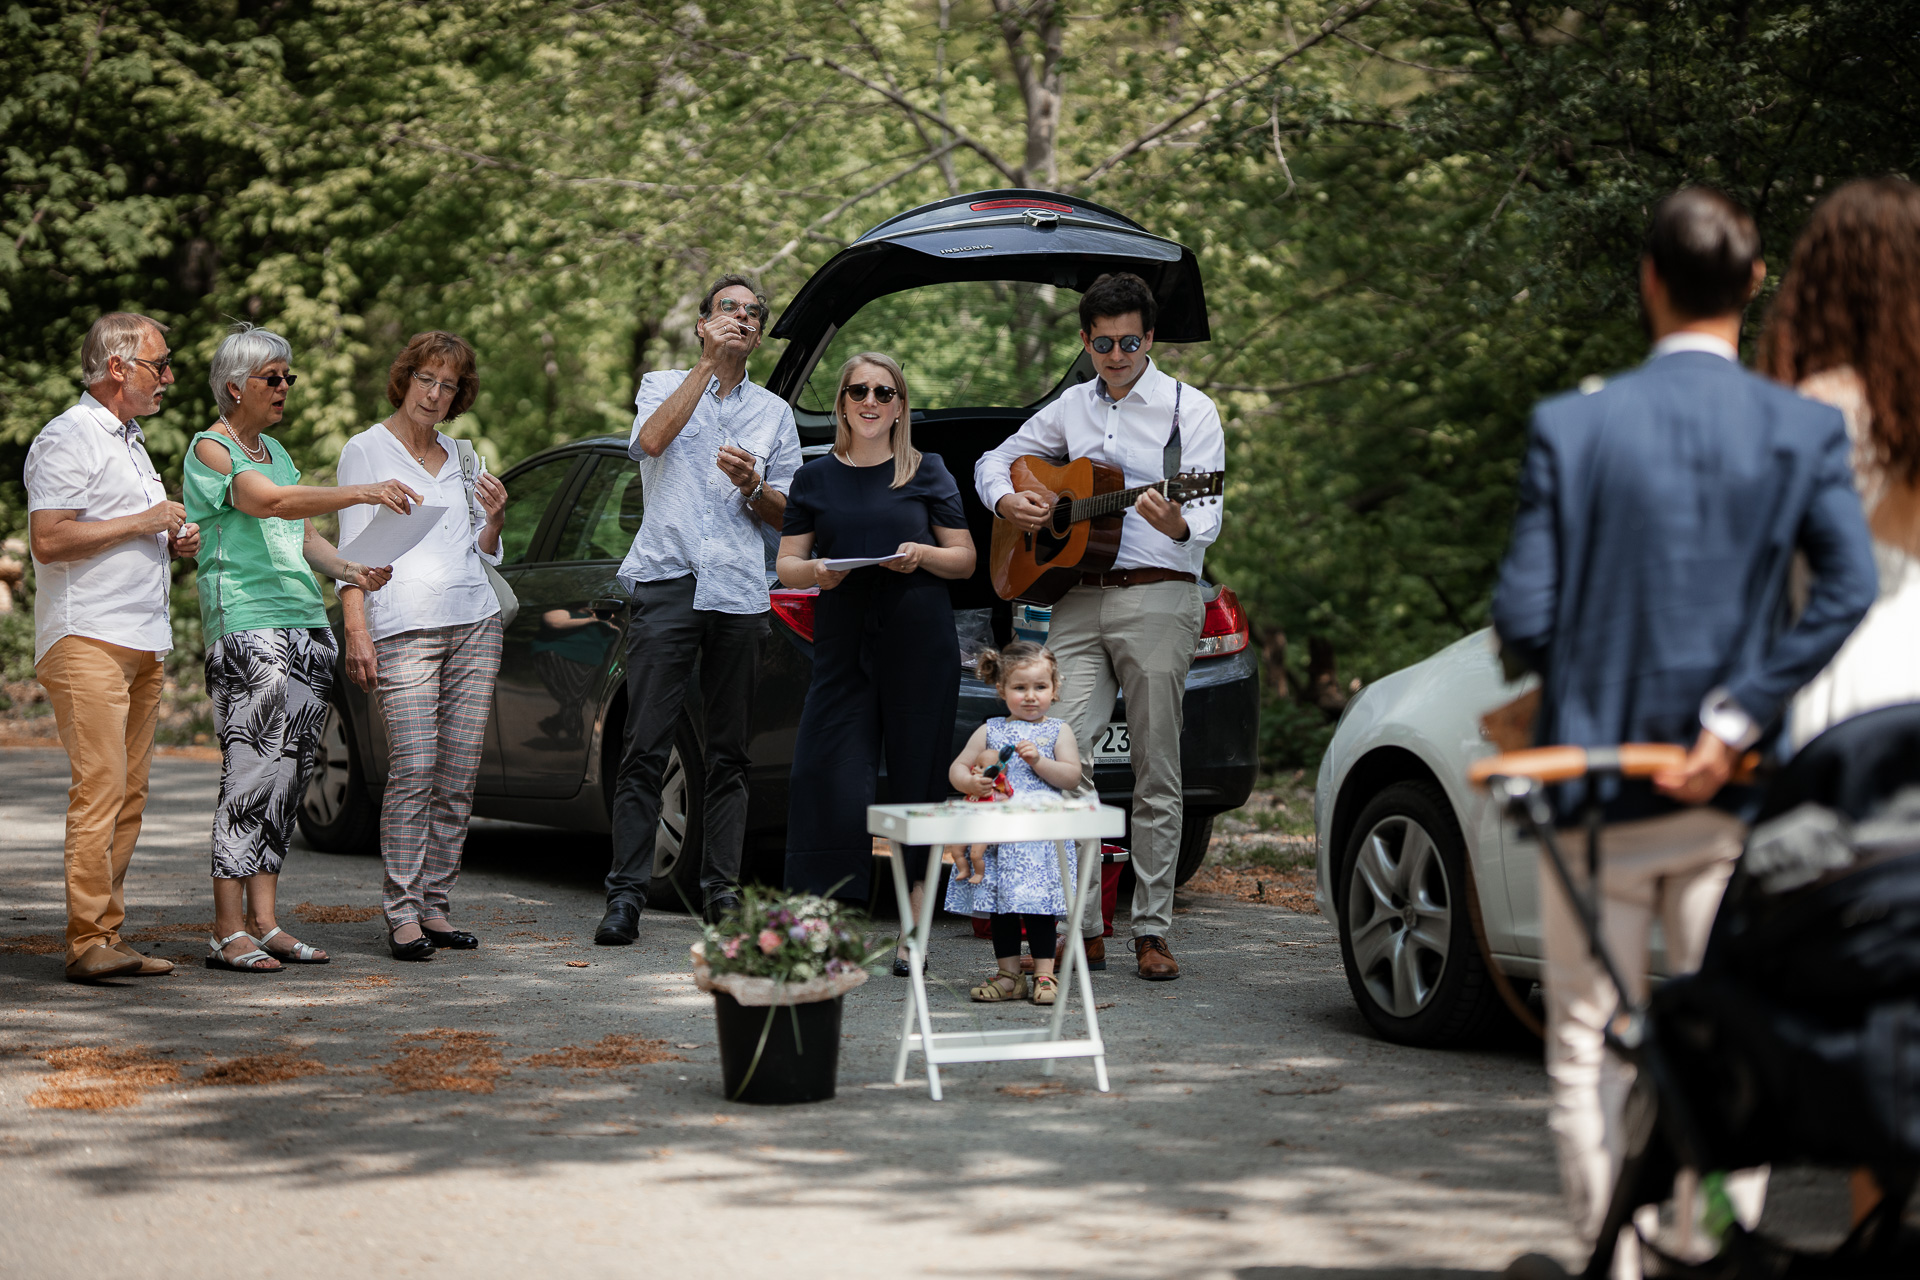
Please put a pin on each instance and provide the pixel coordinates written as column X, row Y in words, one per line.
column 1687, row 340
column 128, row 430
column 1138, row 392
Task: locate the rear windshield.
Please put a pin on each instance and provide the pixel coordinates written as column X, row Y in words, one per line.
column 974, row 344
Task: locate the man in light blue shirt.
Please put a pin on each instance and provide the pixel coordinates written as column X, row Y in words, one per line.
column 716, row 456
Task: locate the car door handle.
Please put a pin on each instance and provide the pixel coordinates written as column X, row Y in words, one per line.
column 606, row 605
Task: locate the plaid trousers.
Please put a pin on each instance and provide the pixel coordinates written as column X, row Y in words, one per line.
column 436, row 686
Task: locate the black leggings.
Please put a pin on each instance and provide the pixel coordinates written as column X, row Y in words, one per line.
column 1006, row 935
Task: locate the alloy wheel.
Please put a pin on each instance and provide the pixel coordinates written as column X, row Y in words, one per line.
column 1399, row 915
column 332, row 773
column 671, row 838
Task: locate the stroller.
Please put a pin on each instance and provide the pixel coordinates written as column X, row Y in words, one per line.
column 1798, row 1040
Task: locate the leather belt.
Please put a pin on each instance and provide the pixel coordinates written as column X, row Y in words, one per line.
column 1134, row 577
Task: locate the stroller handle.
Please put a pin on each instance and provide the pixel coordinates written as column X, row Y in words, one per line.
column 1561, row 764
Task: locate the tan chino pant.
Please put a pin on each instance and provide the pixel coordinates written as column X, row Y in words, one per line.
column 1673, row 869
column 1138, row 641
column 106, row 700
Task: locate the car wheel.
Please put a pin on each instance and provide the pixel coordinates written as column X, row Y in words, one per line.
column 679, row 840
column 336, row 813
column 1406, row 933
column 1196, row 833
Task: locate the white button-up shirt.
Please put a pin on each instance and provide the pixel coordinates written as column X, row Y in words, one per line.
column 440, row 582
column 1129, row 433
column 695, row 521
column 86, row 461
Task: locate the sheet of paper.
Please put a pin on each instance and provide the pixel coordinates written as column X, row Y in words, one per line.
column 858, row 562
column 390, row 535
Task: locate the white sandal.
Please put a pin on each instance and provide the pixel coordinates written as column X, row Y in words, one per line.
column 301, row 953
column 248, row 963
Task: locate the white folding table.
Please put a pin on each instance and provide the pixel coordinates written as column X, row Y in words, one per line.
column 939, row 825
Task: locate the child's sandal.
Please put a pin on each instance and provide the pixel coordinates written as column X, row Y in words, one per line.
column 991, row 992
column 1045, row 989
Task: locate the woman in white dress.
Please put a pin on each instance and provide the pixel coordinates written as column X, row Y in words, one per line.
column 1845, row 329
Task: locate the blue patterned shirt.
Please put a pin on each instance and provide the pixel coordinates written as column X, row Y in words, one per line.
column 695, row 521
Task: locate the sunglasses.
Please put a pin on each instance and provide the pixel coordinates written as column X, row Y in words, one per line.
column 857, row 392
column 1129, row 344
column 159, row 366
column 275, row 379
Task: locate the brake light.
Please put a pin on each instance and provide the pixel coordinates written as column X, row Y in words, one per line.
column 981, row 206
column 795, row 608
column 1224, row 630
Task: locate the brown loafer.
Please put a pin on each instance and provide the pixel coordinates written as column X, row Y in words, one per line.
column 1096, row 954
column 102, row 962
column 1156, row 962
column 150, row 966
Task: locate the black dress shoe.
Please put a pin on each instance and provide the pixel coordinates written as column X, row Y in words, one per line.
column 418, row 949
column 450, row 939
column 901, row 969
column 719, row 904
column 620, row 926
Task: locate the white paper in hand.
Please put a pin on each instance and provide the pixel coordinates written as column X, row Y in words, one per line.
column 860, row 562
column 390, row 535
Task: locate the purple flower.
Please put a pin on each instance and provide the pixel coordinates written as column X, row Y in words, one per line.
column 798, row 933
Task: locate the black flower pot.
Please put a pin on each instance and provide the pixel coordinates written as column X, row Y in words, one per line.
column 787, row 1071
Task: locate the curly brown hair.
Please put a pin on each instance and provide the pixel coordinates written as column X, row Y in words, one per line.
column 424, row 349
column 1852, row 297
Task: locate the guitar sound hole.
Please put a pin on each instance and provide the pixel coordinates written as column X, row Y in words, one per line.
column 1051, row 538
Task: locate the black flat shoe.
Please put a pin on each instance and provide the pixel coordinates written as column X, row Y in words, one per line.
column 418, row 949
column 620, row 926
column 450, row 939
column 901, row 969
column 719, row 905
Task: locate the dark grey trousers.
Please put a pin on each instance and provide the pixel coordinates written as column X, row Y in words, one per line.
column 666, row 638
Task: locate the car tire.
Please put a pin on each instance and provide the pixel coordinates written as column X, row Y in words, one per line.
column 1406, row 933
column 683, row 813
column 337, row 815
column 1196, row 833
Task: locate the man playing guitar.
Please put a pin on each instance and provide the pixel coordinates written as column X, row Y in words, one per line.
column 1132, row 629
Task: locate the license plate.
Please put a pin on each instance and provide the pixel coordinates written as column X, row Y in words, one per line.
column 1113, row 746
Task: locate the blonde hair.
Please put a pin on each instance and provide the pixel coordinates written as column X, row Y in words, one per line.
column 906, row 458
column 116, row 333
column 996, row 666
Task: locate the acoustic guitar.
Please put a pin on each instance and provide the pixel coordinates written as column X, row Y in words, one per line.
column 1082, row 535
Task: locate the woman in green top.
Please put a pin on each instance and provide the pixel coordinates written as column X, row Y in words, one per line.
column 270, row 655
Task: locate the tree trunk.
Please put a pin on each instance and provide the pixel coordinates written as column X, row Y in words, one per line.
column 1039, row 81
column 1273, row 649
column 1323, row 684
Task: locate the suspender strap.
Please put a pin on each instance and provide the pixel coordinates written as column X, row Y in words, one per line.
column 1170, row 456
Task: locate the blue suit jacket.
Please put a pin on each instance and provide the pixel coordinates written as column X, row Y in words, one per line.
column 1658, row 520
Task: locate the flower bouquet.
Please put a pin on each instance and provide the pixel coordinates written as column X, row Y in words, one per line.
column 791, row 951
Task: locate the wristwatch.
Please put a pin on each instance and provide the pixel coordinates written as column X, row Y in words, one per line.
column 758, row 489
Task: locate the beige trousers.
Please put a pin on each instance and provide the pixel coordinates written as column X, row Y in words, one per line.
column 106, row 700
column 1674, row 869
column 1138, row 641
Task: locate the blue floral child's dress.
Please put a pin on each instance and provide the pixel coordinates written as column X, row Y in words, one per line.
column 1020, row 878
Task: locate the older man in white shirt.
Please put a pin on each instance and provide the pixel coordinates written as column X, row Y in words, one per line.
column 102, row 530
column 1132, row 629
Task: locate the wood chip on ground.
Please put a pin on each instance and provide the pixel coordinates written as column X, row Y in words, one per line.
column 313, row 914
column 261, row 1068
column 612, row 1051
column 1290, row 889
column 95, row 1078
column 458, row 1062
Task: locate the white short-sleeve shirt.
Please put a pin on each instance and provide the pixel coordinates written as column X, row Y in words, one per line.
column 440, row 583
column 86, row 461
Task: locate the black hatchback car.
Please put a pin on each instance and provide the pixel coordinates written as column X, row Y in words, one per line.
column 977, row 297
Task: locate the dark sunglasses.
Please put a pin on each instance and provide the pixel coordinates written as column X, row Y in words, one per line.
column 275, row 379
column 1129, row 344
column 159, row 366
column 857, row 391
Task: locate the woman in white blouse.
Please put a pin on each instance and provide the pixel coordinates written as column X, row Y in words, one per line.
column 429, row 644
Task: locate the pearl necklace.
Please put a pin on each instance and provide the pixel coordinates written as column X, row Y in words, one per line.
column 265, row 455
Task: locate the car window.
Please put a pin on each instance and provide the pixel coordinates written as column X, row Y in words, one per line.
column 975, row 344
column 605, row 516
column 529, row 494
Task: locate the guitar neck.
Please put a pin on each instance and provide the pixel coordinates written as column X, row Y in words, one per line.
column 1107, row 504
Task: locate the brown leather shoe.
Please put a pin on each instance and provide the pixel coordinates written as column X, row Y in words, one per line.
column 102, row 962
column 1096, row 954
column 1156, row 962
column 150, row 966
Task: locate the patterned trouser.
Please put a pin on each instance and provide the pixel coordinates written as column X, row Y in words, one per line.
column 269, row 691
column 436, row 686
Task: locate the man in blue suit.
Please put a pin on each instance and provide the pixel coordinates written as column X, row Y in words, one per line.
column 1647, row 584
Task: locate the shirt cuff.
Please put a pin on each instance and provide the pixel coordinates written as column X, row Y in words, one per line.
column 1727, row 720
column 495, row 556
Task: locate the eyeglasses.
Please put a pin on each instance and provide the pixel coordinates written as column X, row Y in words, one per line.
column 275, row 379
column 430, row 384
column 857, row 392
column 159, row 366
column 730, row 307
column 1129, row 344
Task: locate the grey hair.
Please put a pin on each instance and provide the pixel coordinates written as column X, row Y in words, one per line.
column 245, row 351
column 117, row 333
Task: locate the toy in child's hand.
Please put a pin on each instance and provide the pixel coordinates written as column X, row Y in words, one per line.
column 970, row 862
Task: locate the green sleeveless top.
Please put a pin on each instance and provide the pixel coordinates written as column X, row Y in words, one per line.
column 253, row 573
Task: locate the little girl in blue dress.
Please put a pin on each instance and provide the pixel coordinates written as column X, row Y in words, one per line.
column 1021, row 884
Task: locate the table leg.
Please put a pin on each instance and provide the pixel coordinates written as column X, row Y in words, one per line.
column 923, row 932
column 906, row 930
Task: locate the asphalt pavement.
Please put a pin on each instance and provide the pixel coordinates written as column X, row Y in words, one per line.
column 1255, row 1128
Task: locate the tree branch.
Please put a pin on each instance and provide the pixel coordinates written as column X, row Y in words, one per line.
column 787, row 250
column 1417, row 66
column 1356, row 371
column 959, row 135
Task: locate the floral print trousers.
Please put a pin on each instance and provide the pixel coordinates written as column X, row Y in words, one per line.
column 269, row 691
